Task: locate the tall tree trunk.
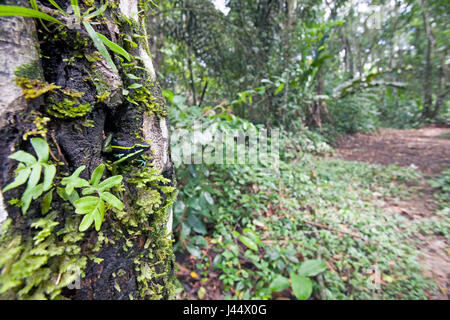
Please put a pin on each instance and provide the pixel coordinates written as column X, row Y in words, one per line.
column 443, row 76
column 45, row 256
column 291, row 7
column 348, row 57
column 442, row 92
column 427, row 97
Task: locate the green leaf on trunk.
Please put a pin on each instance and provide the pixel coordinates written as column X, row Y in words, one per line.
column 7, row 11
column 98, row 43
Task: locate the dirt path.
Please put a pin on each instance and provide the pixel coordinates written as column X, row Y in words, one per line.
column 426, row 148
column 429, row 150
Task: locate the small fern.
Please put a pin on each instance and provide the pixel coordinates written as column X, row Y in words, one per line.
column 30, row 170
column 93, row 207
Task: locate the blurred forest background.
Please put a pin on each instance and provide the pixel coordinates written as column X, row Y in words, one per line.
column 317, row 226
column 356, row 206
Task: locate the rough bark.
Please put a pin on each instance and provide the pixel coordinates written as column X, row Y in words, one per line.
column 131, row 256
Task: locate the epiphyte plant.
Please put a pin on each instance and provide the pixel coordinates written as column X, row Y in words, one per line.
column 30, row 169
column 99, row 40
column 96, row 197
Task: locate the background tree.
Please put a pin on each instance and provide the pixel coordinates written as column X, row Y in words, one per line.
column 309, row 50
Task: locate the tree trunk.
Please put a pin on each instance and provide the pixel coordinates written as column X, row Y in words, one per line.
column 442, row 92
column 45, row 256
column 443, row 75
column 427, row 97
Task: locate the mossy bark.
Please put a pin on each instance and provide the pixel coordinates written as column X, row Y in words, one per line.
column 131, row 256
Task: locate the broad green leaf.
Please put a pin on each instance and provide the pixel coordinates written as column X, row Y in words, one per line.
column 24, row 157
column 301, row 286
column 311, row 268
column 35, row 175
column 252, row 235
column 114, row 47
column 132, row 76
column 99, row 45
column 94, row 208
column 86, row 205
column 46, row 202
column 208, row 198
column 49, row 174
column 26, row 201
column 99, row 213
column 40, row 146
column 21, row 178
column 112, row 200
column 87, row 191
column 194, row 250
column 86, row 222
column 109, row 183
column 196, row 224
column 97, row 175
column 29, row 195
column 72, row 198
column 74, row 175
column 62, row 193
column 135, row 86
column 261, row 90
column 249, row 243
column 74, row 181
column 280, row 283
column 37, row 191
column 199, row 240
column 7, row 11
column 77, row 172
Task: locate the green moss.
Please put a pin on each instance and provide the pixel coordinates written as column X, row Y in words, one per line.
column 74, row 40
column 34, row 88
column 153, row 199
column 103, row 96
column 44, row 262
column 75, row 94
column 70, row 106
column 31, row 71
column 69, row 109
column 40, row 126
column 145, row 98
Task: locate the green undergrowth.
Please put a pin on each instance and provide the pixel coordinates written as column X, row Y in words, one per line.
column 318, row 208
column 255, row 227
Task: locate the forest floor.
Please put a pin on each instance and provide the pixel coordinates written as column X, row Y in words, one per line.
column 429, row 150
column 426, row 148
column 409, row 214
